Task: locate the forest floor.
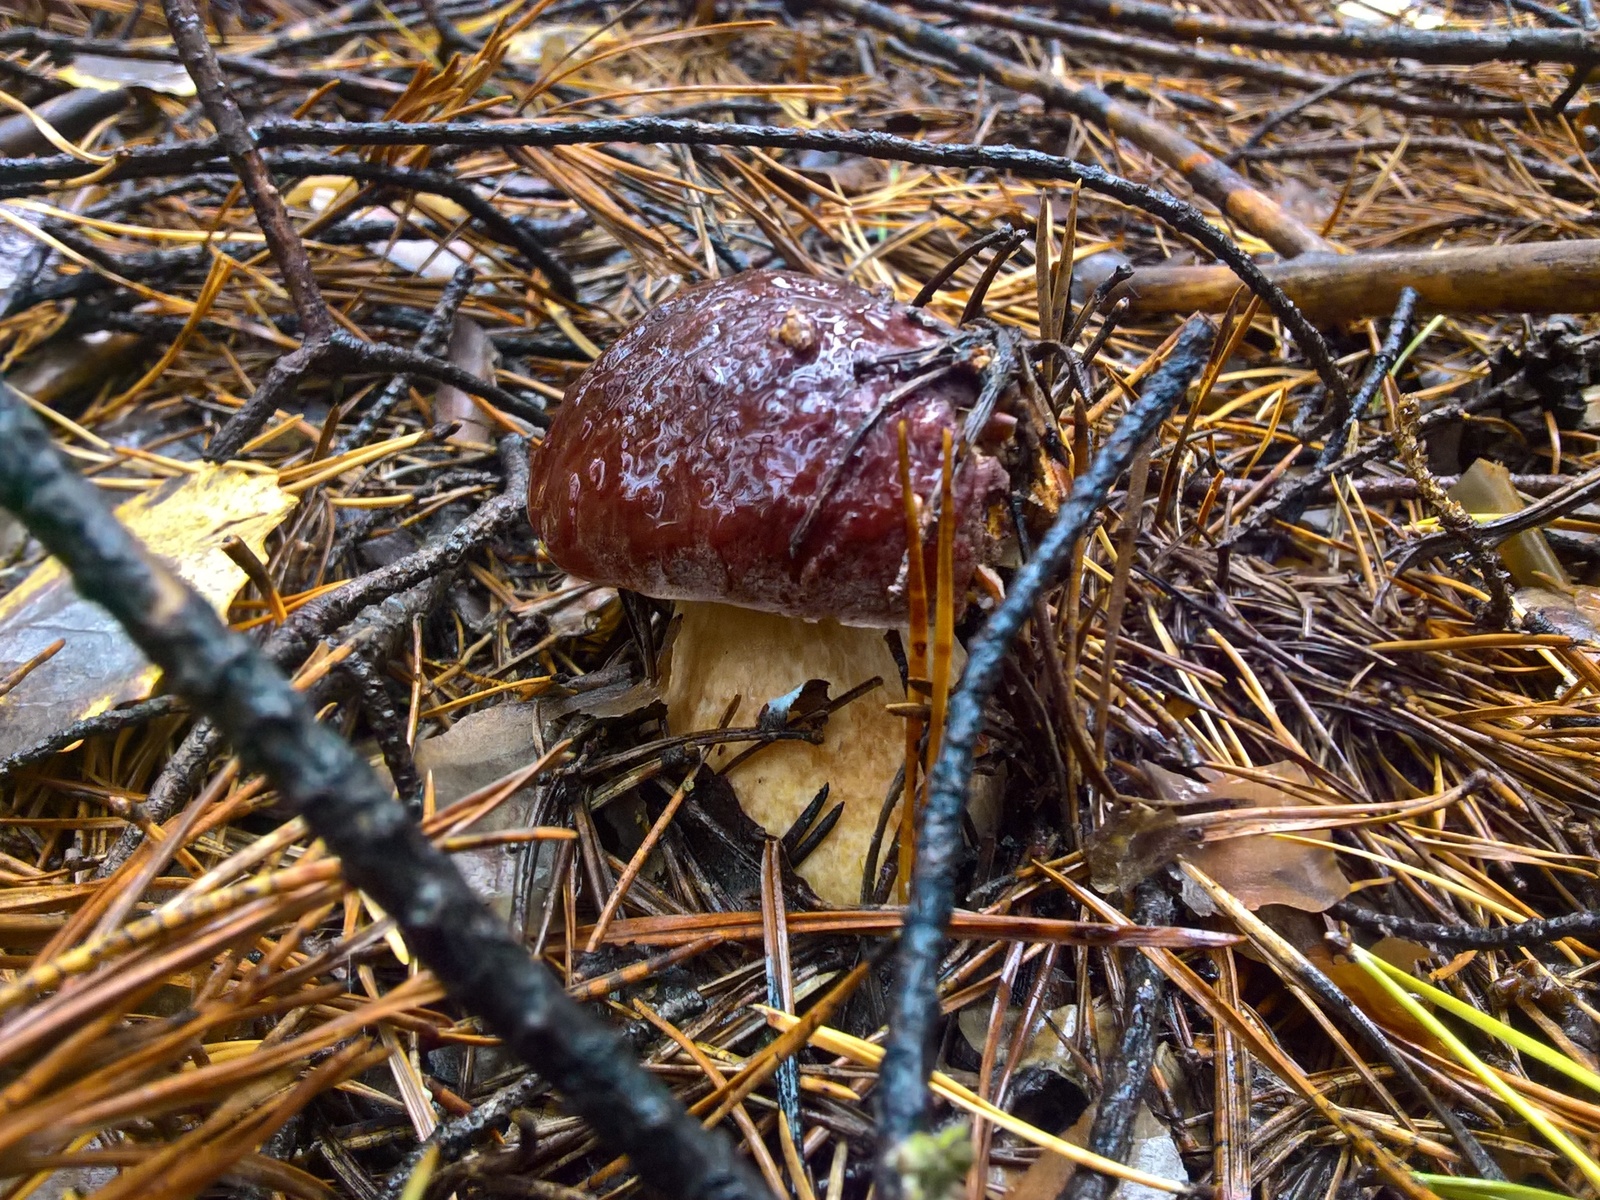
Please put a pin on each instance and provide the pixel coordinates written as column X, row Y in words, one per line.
column 1272, row 838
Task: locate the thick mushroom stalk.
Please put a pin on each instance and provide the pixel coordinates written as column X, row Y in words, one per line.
column 721, row 652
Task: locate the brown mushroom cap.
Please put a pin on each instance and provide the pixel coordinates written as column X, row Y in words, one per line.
column 683, row 461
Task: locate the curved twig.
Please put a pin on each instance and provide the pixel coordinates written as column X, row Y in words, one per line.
column 1181, row 216
column 1490, row 534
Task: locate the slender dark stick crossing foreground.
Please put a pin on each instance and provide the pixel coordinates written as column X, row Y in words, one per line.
column 383, row 852
column 914, row 1008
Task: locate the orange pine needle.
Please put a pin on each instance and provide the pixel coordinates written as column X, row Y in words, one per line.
column 944, row 613
column 916, row 660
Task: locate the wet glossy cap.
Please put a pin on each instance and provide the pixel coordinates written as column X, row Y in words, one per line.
column 681, row 464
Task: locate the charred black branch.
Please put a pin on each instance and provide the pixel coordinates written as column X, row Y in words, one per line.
column 340, row 351
column 1127, row 1073
column 1437, row 46
column 383, row 852
column 903, row 1090
column 114, row 721
column 1342, row 420
column 1537, row 932
column 434, row 339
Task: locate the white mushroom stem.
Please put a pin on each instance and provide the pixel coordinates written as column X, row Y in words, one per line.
column 721, row 652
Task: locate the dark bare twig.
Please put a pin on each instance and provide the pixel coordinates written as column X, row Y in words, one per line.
column 1127, row 1073
column 518, row 234
column 1218, row 183
column 903, row 1085
column 322, row 340
column 525, row 236
column 288, row 251
column 382, row 851
column 434, row 339
column 294, row 640
column 341, row 351
column 1287, row 113
column 1002, row 251
column 281, row 380
column 1183, row 217
column 1096, row 302
column 1078, row 38
column 455, row 1136
column 352, row 355
column 1439, row 46
column 1377, row 489
column 180, row 778
column 1342, row 419
column 1550, row 16
column 450, row 37
column 388, row 727
column 1294, row 497
column 1298, row 148
column 1535, row 932
column 958, row 260
column 1580, row 76
column 114, row 721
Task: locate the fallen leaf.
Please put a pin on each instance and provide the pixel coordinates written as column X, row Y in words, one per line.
column 476, row 751
column 1134, row 844
column 1258, row 868
column 610, row 701
column 105, row 74
column 1367, row 994
column 184, row 522
column 1153, row 1151
column 547, row 45
column 65, row 373
column 1553, row 612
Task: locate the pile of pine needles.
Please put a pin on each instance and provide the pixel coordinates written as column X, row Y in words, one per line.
column 1280, row 871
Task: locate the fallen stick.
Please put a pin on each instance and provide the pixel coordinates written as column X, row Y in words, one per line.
column 1078, row 39
column 381, row 849
column 1533, row 277
column 1219, row 183
column 1442, row 47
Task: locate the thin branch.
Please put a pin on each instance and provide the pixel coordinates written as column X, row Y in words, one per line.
column 1181, row 216
column 434, row 339
column 1437, row 46
column 1533, row 932
column 382, row 851
column 1342, row 420
column 903, row 1088
column 1127, row 1073
column 288, row 251
column 1213, row 179
column 1077, row 38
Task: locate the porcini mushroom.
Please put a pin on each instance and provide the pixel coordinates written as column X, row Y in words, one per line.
column 737, row 451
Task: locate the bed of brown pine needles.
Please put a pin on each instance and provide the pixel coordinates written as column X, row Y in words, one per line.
column 191, row 1002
